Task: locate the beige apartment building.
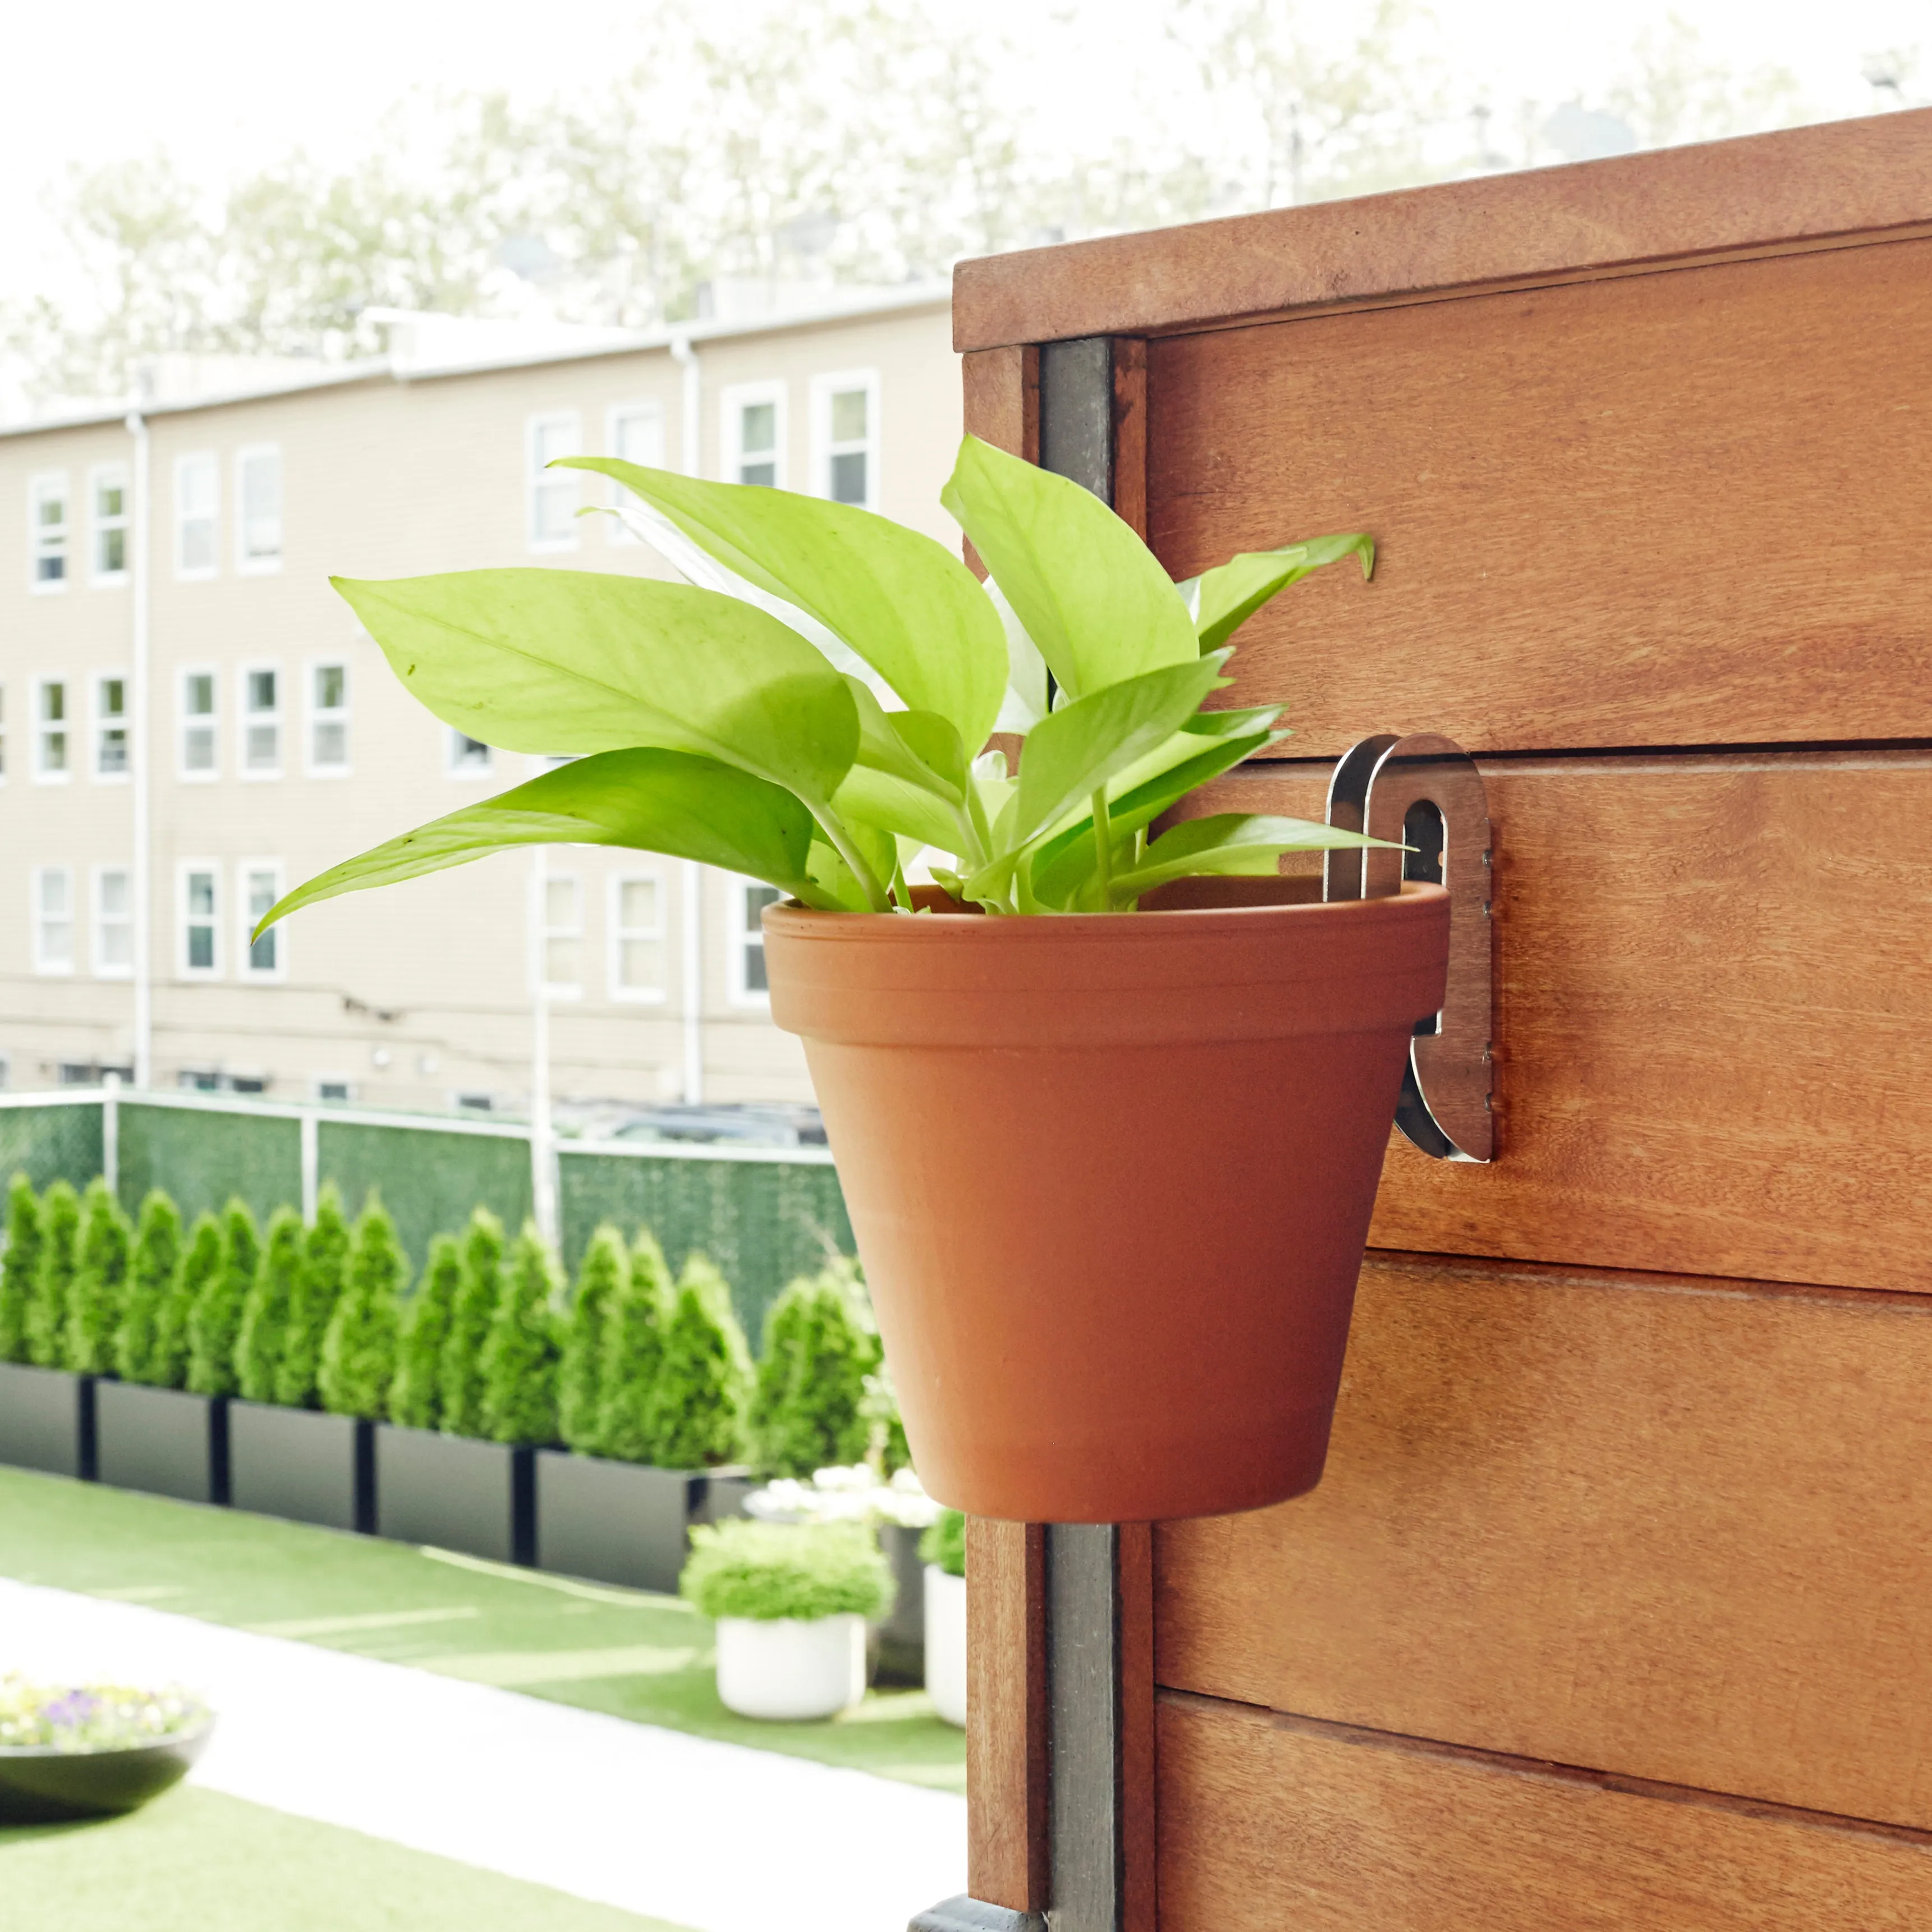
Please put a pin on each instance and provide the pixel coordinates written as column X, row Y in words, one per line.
column 169, row 620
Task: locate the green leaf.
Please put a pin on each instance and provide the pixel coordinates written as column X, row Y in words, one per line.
column 904, row 603
column 1229, row 843
column 1091, row 594
column 655, row 801
column 573, row 661
column 1221, row 600
column 876, row 798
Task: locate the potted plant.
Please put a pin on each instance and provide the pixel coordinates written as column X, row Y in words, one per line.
column 791, row 1607
column 47, row 1410
column 88, row 1750
column 1003, row 1051
column 944, row 1549
column 150, row 1433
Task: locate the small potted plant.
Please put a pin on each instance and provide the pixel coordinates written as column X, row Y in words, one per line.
column 791, row 1605
column 1109, row 1101
column 91, row 1750
column 944, row 1549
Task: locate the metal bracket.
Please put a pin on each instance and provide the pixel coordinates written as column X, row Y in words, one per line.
column 971, row 1915
column 1424, row 792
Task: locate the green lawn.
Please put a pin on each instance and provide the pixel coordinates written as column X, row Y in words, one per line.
column 622, row 1651
column 199, row 1861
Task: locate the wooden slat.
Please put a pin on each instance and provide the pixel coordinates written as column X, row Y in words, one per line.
column 1265, row 1826
column 1680, row 509
column 1006, row 1715
column 1002, row 398
column 1713, row 979
column 1130, row 433
column 1808, row 184
column 1139, row 1901
column 1676, row 1529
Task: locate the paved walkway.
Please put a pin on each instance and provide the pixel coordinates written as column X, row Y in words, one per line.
column 708, row 1835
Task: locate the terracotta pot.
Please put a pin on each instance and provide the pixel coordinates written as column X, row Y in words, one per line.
column 1110, row 1178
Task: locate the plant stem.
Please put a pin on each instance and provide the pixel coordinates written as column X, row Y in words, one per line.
column 1103, row 851
column 829, row 823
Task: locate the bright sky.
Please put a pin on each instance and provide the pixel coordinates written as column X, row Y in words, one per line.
column 227, row 84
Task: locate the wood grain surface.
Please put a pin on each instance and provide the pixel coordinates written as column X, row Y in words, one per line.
column 1674, row 1528
column 1713, row 984
column 1006, row 1715
column 1266, row 1826
column 1682, row 509
column 1001, row 389
column 1806, row 185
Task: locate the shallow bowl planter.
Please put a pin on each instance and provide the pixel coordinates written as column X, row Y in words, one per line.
column 166, row 1441
column 40, row 1785
column 1155, row 1138
column 455, row 1493
column 791, row 1668
column 617, row 1522
column 300, row 1464
column 46, row 1419
column 945, row 1598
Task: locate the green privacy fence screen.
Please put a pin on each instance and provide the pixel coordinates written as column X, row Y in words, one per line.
column 762, row 1216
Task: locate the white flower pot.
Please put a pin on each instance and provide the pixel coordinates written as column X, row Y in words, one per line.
column 946, row 1644
column 785, row 1668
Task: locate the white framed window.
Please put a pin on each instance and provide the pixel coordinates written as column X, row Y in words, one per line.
column 260, row 753
column 197, row 516
column 336, row 1087
column 110, row 729
column 51, row 723
column 754, row 433
column 107, row 519
column 259, row 885
column 48, row 530
column 113, row 922
column 749, row 898
column 845, row 437
column 258, row 510
column 634, row 922
column 467, row 1101
column 52, row 911
column 329, row 721
column 562, row 936
column 553, row 494
column 198, row 757
column 198, row 891
column 464, row 757
column 633, row 433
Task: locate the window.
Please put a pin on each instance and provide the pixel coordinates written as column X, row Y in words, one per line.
column 845, row 438
column 50, row 732
column 633, row 433
column 331, row 1087
column 198, row 759
column 749, row 986
column 562, row 938
column 53, row 918
column 754, row 433
column 465, row 756
column 258, row 510
column 328, row 719
column 554, row 493
column 47, row 532
column 200, row 904
column 473, row 1103
column 261, row 958
column 113, row 923
column 197, row 516
column 261, row 722
column 107, row 504
column 110, row 727
column 637, row 937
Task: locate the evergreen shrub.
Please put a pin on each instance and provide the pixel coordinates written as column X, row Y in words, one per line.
column 415, row 1395
column 263, row 1339
column 200, row 1264
column 633, row 1348
column 214, row 1321
column 151, row 1269
column 693, row 1417
column 944, row 1543
column 519, row 1353
column 100, row 1288
column 766, row 1570
column 325, row 1269
column 18, row 1267
column 47, row 1309
column 809, row 1409
column 601, row 1282
column 358, row 1352
column 476, row 1296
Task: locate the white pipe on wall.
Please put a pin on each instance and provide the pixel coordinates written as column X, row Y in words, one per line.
column 139, row 738
column 691, row 905
column 543, row 1145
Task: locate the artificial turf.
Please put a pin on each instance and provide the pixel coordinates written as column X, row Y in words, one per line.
column 197, row 1861
column 621, row 1651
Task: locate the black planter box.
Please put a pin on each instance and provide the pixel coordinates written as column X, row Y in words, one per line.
column 46, row 1420
column 164, row 1440
column 453, row 1493
column 617, row 1522
column 300, row 1464
column 899, row 1652
column 724, row 1493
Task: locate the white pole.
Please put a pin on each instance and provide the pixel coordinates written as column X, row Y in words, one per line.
column 311, row 1165
column 543, row 1165
column 110, row 1131
column 139, row 739
column 691, row 913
